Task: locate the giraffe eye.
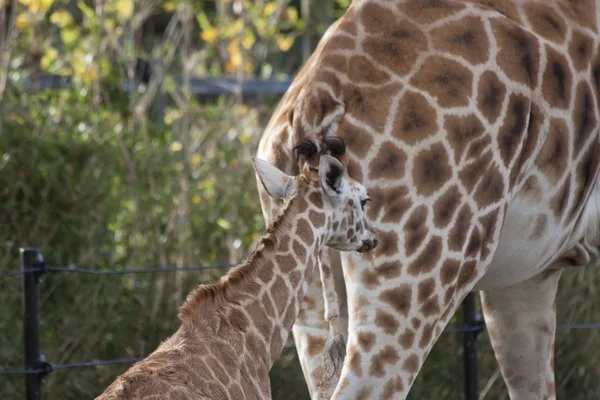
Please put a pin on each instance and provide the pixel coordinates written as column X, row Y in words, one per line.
column 363, row 203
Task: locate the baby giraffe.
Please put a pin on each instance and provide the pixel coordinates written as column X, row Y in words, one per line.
column 233, row 331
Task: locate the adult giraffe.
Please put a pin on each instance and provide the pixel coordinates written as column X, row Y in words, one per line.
column 474, row 127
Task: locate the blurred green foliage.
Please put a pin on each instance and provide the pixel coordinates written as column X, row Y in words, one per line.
column 99, row 178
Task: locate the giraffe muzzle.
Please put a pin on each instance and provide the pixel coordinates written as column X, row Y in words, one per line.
column 367, row 245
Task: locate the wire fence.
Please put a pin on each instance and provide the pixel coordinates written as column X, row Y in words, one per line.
column 37, row 367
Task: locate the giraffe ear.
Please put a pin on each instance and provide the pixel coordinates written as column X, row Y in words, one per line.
column 277, row 184
column 331, row 172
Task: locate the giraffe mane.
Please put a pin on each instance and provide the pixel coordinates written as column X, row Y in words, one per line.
column 206, row 298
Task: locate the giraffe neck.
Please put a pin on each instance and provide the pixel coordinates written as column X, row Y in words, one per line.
column 265, row 291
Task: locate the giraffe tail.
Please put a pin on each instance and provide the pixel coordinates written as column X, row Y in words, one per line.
column 334, row 352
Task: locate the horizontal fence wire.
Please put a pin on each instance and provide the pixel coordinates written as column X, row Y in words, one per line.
column 115, row 271
column 45, row 268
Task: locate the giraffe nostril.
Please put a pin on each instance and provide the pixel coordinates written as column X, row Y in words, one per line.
column 375, row 242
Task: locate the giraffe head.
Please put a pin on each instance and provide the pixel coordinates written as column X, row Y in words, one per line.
column 329, row 193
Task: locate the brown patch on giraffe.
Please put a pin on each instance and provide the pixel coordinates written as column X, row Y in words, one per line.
column 465, row 37
column 475, row 244
column 490, row 95
column 488, row 224
column 260, row 319
column 389, row 162
column 511, row 133
column 266, row 273
column 304, row 231
column 445, row 79
column 426, row 288
column 388, row 244
column 557, row 79
column 539, row 227
column 467, row 273
column 581, row 13
column 364, row 393
column 316, row 199
column 581, row 49
column 366, row 340
column 279, row 292
column 407, row 338
column 354, row 359
column 386, row 321
column 314, row 345
column 316, row 218
column 357, row 140
column 448, row 297
column 394, row 202
column 415, row 230
column 354, row 170
column 411, row 364
column 426, row 336
column 445, row 207
column 299, row 250
column 396, row 42
column 519, row 54
column 428, row 258
column 429, row 11
column 449, row 271
column 370, row 279
column 431, row 169
column 461, row 131
column 339, row 42
column 546, row 22
column 559, row 202
column 399, row 298
column 471, row 173
column 370, row 105
column 295, row 278
column 586, row 173
column 584, row 116
column 389, row 269
column 553, row 157
column 387, row 355
column 363, row 70
column 285, row 262
column 431, row 307
column 416, row 323
column 458, row 234
column 491, row 188
column 391, row 387
column 235, row 391
column 415, row 119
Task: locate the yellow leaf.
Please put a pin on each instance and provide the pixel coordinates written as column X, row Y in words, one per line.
column 89, row 74
column 285, row 43
column 68, row 36
column 196, row 199
column 22, row 21
column 48, row 58
column 61, row 18
column 169, row 6
column 249, row 40
column 176, row 146
column 292, row 15
column 46, row 4
column 270, row 8
column 210, row 35
column 125, row 8
column 196, row 159
column 224, row 224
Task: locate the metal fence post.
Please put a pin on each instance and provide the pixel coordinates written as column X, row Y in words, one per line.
column 474, row 325
column 31, row 259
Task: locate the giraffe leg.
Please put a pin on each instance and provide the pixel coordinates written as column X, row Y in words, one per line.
column 521, row 323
